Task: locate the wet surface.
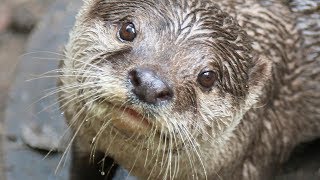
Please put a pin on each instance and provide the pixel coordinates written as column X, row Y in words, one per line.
column 28, row 120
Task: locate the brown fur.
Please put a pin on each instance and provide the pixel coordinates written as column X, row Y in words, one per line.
column 265, row 102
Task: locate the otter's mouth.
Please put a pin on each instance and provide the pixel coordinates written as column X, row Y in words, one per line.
column 130, row 121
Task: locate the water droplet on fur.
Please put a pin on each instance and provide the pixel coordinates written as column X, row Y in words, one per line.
column 103, row 173
column 93, row 139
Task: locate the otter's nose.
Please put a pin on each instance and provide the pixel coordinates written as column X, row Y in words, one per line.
column 149, row 87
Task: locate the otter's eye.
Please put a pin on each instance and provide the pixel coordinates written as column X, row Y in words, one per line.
column 207, row 79
column 127, row 32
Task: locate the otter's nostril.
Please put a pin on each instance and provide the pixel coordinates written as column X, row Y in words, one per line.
column 134, row 78
column 166, row 94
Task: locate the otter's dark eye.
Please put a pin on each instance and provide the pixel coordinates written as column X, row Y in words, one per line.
column 127, row 32
column 207, row 79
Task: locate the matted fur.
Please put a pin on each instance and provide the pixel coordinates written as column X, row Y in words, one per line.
column 266, row 99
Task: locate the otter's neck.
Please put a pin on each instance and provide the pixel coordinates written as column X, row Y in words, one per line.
column 270, row 130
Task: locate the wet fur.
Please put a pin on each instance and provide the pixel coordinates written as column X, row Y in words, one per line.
column 265, row 102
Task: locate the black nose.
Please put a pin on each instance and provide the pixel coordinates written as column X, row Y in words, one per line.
column 149, row 87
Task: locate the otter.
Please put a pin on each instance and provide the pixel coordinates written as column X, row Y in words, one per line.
column 187, row 89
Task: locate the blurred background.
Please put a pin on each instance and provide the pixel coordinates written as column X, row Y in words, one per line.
column 17, row 20
column 32, row 34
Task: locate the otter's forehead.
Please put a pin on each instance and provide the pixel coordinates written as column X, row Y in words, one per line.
column 178, row 20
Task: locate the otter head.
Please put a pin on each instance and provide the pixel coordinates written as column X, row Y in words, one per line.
column 172, row 72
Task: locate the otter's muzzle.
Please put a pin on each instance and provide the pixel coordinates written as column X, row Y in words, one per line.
column 149, row 87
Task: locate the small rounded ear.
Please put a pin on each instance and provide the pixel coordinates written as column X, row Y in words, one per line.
column 259, row 76
column 260, row 72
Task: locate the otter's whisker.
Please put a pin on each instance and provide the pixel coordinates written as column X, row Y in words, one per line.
column 74, row 119
column 187, row 152
column 197, row 150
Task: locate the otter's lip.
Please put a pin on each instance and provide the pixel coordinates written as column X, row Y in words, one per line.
column 129, row 121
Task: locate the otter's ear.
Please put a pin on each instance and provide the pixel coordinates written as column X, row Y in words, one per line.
column 259, row 75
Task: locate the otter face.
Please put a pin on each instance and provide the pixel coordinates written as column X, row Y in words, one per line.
column 175, row 73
